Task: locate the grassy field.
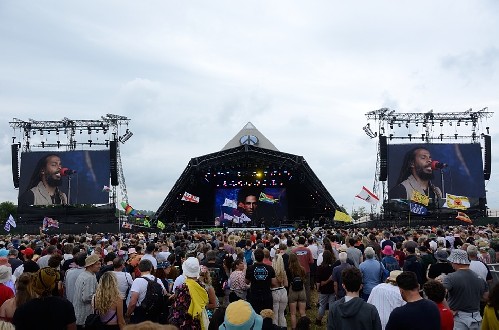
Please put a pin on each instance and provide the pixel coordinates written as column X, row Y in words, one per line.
column 311, row 313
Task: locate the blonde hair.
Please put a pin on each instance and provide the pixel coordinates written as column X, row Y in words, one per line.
column 204, row 275
column 24, row 289
column 278, row 265
column 106, row 293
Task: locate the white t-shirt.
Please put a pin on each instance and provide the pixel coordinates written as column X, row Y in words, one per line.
column 140, row 285
column 151, row 259
column 124, row 282
column 479, row 268
column 315, row 250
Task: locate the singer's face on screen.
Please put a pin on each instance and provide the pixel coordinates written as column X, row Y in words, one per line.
column 250, row 205
column 51, row 174
column 421, row 167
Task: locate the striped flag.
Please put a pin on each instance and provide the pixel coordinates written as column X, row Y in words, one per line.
column 11, row 221
column 160, row 225
column 126, row 225
column 190, row 198
column 341, row 216
column 7, row 226
column 267, row 198
column 367, row 196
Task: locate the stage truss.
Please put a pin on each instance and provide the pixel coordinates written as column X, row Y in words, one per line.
column 72, row 134
column 465, row 126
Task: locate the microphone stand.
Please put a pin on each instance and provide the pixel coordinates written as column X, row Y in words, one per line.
column 442, row 184
column 69, row 188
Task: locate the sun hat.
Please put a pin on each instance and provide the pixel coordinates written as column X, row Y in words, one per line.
column 387, row 251
column 191, row 268
column 441, row 255
column 44, row 280
column 4, row 252
column 458, row 256
column 5, row 274
column 239, row 315
column 91, row 259
column 393, row 275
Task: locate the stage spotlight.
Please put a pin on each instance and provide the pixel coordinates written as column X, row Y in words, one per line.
column 259, row 174
column 410, row 137
column 43, row 144
column 487, row 128
column 422, row 137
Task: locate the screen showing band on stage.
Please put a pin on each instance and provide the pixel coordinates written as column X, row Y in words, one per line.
column 436, row 175
column 66, row 177
column 250, row 206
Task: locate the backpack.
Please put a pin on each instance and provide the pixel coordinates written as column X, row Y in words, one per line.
column 248, row 257
column 297, row 283
column 153, row 301
column 216, row 281
column 391, row 263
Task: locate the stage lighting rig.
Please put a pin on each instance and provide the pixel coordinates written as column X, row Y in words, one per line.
column 369, row 132
column 128, row 134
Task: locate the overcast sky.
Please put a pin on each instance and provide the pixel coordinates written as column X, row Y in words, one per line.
column 191, row 74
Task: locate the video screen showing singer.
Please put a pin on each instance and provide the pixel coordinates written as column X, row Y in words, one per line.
column 416, row 176
column 45, row 182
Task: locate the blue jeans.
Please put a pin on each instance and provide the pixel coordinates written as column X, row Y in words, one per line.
column 324, row 299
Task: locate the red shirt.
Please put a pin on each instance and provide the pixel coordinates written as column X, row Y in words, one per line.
column 304, row 257
column 446, row 318
column 5, row 293
column 400, row 256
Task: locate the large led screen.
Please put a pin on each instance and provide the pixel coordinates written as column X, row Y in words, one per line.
column 68, row 177
column 436, row 175
column 250, row 205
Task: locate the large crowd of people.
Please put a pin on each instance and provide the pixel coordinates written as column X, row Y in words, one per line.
column 389, row 278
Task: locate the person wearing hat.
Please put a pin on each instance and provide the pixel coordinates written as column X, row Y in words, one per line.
column 388, row 260
column 46, row 311
column 6, row 292
column 441, row 267
column 240, row 315
column 418, row 313
column 465, row 289
column 193, row 314
column 386, row 296
column 85, row 287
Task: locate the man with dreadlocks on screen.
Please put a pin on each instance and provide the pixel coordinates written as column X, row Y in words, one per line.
column 43, row 188
column 415, row 178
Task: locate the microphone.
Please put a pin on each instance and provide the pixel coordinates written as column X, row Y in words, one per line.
column 66, row 171
column 436, row 165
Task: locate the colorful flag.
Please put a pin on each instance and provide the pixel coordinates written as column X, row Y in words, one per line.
column 48, row 223
column 11, row 221
column 147, row 223
column 230, row 203
column 267, row 198
column 420, row 198
column 126, row 225
column 463, row 217
column 418, row 209
column 244, row 218
column 457, row 202
column 228, row 217
column 160, row 225
column 340, row 216
column 368, row 196
column 7, row 226
column 190, row 198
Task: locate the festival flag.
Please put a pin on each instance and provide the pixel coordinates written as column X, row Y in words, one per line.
column 228, row 217
column 106, row 189
column 11, row 221
column 457, row 202
column 129, row 210
column 230, row 203
column 367, row 196
column 463, row 217
column 244, row 218
column 267, row 198
column 341, row 216
column 420, row 198
column 126, row 225
column 160, row 225
column 147, row 223
column 48, row 223
column 7, row 226
column 190, row 198
column 418, row 209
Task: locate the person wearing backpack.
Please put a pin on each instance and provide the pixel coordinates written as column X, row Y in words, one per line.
column 388, row 260
column 146, row 295
column 297, row 296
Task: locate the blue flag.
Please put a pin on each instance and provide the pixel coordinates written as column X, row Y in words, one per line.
column 418, row 209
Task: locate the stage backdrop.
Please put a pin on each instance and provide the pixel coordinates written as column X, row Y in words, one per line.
column 92, row 174
column 272, row 205
column 462, row 177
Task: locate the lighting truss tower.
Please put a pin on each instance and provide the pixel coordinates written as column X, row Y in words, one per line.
column 403, row 126
column 70, row 134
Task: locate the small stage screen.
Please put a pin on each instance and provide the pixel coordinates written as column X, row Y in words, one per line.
column 46, row 177
column 250, row 205
column 436, row 175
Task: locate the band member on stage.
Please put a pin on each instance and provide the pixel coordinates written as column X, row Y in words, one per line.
column 43, row 188
column 415, row 177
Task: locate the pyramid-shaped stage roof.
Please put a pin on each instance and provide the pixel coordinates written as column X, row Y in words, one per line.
column 248, row 159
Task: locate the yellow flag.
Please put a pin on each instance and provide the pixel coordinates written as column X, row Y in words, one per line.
column 457, row 202
column 340, row 216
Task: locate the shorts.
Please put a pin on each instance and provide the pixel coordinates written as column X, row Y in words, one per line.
column 297, row 296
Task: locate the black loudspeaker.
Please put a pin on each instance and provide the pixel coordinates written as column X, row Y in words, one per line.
column 383, row 158
column 487, row 157
column 113, row 162
column 15, row 164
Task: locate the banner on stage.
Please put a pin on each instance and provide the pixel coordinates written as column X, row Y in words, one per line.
column 190, row 198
